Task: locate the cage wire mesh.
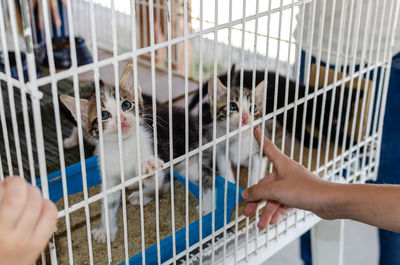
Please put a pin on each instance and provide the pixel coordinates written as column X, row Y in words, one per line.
column 170, row 92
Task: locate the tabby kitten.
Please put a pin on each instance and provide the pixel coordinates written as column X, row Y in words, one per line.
column 249, row 146
column 111, row 151
column 221, row 115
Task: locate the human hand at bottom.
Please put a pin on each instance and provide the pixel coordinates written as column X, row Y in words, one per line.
column 289, row 185
column 26, row 222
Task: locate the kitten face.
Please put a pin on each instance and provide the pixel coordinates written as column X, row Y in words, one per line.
column 235, row 104
column 109, row 108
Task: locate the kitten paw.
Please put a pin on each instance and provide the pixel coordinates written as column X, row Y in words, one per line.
column 134, row 199
column 205, row 211
column 70, row 142
column 100, row 235
column 151, row 164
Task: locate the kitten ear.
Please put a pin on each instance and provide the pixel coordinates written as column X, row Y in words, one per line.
column 127, row 82
column 259, row 94
column 233, row 74
column 221, row 90
column 69, row 103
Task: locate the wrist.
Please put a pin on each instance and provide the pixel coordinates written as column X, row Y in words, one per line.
column 332, row 201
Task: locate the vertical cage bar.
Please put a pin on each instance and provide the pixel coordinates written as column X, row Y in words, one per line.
column 200, row 134
column 307, row 85
column 139, row 158
column 240, row 130
column 264, row 108
column 8, row 81
column 120, row 146
column 316, row 82
column 14, row 122
column 171, row 151
column 154, row 98
column 214, row 151
column 249, row 172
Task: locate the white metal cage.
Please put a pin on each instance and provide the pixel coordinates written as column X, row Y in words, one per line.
column 338, row 51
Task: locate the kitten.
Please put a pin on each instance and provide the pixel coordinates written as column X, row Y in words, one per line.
column 129, row 140
column 270, row 101
column 249, row 146
column 111, row 152
column 221, row 115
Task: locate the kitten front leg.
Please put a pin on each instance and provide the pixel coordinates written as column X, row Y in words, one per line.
column 72, row 140
column 207, row 201
column 149, row 183
column 100, row 233
column 224, row 169
column 151, row 164
column 258, row 169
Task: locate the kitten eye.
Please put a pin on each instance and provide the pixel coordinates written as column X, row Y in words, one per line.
column 126, row 105
column 233, row 106
column 105, row 115
column 251, row 108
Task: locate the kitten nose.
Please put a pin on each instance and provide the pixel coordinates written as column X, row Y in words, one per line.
column 245, row 117
column 123, row 122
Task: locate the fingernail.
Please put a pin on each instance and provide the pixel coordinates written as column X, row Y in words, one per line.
column 244, row 194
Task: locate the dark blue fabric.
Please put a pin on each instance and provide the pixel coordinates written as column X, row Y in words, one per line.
column 389, row 166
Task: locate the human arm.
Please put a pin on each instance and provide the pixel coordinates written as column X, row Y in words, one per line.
column 26, row 222
column 291, row 185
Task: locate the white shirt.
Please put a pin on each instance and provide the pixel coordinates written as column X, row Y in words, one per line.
column 367, row 20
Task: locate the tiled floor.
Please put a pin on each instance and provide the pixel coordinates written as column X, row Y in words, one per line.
column 360, row 247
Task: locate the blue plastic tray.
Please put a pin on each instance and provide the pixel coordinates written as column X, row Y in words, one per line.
column 74, row 185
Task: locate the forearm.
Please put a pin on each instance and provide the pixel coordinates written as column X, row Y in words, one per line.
column 377, row 205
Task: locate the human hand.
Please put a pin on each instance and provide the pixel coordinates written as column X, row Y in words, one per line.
column 289, row 185
column 26, row 222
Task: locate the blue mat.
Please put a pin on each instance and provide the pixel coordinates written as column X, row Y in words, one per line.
column 74, row 185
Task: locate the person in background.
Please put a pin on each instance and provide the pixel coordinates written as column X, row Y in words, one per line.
column 389, row 168
column 26, row 222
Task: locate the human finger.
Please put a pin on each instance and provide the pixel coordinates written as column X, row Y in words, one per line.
column 14, row 201
column 260, row 192
column 251, row 207
column 47, row 222
column 268, row 212
column 278, row 214
column 33, row 210
column 269, row 149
